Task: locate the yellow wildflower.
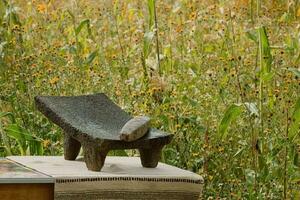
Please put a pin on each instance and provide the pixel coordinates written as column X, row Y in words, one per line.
column 298, row 12
column 179, row 29
column 42, row 7
column 193, row 16
column 46, row 143
column 54, row 80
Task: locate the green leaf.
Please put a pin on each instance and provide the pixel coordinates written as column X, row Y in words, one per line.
column 265, row 51
column 3, row 5
column 2, row 48
column 266, row 77
column 296, row 160
column 83, row 23
column 72, row 49
column 115, row 7
column 118, row 152
column 164, row 119
column 294, row 126
column 21, row 85
column 91, row 57
column 24, row 139
column 72, row 16
column 295, row 71
column 252, row 36
column 5, row 114
column 294, row 155
column 231, row 114
column 2, row 148
column 250, row 176
column 15, row 132
column 263, row 167
column 151, row 9
column 147, row 43
column 35, row 148
column 238, row 152
column 190, row 101
column 176, row 7
column 252, row 108
column 286, row 17
column 11, row 14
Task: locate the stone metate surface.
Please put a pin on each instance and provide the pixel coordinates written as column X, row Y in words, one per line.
column 94, row 123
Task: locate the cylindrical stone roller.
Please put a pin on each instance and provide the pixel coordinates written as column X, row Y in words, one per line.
column 135, row 129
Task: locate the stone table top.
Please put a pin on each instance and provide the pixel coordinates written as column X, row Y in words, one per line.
column 115, row 166
column 12, row 172
column 120, row 178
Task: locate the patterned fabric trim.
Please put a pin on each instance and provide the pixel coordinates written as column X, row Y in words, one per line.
column 127, row 194
column 147, row 179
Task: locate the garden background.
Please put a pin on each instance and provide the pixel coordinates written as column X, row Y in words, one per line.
column 221, row 75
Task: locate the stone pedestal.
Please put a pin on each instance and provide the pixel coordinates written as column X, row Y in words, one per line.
column 120, row 178
column 18, row 182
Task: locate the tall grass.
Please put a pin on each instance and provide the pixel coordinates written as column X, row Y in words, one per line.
column 222, row 76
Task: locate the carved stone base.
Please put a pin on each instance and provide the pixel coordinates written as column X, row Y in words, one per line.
column 95, row 153
column 71, row 147
column 150, row 156
column 94, row 156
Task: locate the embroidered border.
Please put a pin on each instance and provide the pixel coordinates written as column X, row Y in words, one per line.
column 147, row 179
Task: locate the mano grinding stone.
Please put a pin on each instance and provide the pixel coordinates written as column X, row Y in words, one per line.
column 135, row 129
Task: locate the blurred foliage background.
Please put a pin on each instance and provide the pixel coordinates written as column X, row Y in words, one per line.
column 221, row 75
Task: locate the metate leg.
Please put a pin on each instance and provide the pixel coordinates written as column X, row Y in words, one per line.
column 71, row 147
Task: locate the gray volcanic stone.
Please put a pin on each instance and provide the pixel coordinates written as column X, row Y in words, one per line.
column 135, row 128
column 94, row 123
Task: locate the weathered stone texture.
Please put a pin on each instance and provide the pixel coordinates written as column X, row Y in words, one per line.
column 95, row 123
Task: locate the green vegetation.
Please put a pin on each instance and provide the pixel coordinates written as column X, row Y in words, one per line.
column 223, row 76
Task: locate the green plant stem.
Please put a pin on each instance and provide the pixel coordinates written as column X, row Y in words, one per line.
column 171, row 52
column 235, row 65
column 261, row 95
column 157, row 41
column 295, row 8
column 254, row 155
column 206, row 153
column 206, row 140
column 261, row 84
column 285, row 156
column 76, row 42
column 258, row 5
column 251, row 11
column 5, row 141
column 119, row 41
